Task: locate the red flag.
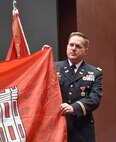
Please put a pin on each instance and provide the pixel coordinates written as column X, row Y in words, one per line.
column 30, row 99
column 18, row 47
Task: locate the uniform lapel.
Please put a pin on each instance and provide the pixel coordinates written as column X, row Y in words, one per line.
column 66, row 70
column 79, row 74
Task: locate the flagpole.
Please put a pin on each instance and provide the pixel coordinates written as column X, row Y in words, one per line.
column 14, row 4
column 15, row 11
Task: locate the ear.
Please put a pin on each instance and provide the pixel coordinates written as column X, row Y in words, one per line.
column 86, row 50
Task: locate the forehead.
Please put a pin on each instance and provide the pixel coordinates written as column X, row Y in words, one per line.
column 76, row 39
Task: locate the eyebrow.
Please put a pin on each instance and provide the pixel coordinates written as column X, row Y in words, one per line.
column 72, row 44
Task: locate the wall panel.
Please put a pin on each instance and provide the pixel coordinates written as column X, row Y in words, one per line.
column 97, row 19
column 66, row 23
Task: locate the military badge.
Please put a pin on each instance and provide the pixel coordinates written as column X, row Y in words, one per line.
column 83, row 91
column 89, row 77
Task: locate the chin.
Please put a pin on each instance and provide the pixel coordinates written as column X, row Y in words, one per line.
column 73, row 60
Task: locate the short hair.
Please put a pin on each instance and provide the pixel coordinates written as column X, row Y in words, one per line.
column 86, row 41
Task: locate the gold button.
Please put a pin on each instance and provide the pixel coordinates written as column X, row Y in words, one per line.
column 92, row 121
column 71, row 85
column 70, row 93
column 69, row 101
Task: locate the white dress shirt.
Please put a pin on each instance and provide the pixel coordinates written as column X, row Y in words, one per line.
column 77, row 65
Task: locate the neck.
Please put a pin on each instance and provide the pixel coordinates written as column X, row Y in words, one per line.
column 75, row 62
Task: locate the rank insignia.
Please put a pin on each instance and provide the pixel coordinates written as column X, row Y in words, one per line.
column 99, row 69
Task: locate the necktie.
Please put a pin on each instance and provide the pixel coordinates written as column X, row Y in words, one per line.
column 72, row 67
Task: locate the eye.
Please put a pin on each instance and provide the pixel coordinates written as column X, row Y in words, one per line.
column 71, row 44
column 78, row 46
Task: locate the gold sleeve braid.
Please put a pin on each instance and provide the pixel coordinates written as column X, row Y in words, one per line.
column 82, row 106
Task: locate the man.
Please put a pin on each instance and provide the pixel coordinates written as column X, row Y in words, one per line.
column 81, row 90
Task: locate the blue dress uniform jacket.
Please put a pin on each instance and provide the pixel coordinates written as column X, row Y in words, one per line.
column 83, row 91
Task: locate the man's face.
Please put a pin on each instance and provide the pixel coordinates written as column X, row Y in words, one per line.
column 75, row 49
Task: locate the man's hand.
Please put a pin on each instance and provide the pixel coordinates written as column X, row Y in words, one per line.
column 46, row 46
column 66, row 108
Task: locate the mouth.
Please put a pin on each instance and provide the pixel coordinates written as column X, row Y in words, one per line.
column 72, row 54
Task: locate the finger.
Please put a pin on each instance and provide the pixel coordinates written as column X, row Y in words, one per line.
column 64, row 111
column 64, row 105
